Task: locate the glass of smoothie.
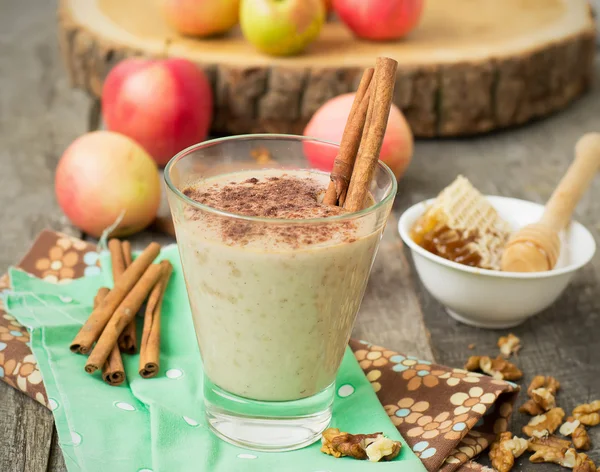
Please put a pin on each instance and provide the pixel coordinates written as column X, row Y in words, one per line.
column 275, row 279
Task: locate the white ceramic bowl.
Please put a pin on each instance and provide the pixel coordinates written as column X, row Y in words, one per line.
column 494, row 299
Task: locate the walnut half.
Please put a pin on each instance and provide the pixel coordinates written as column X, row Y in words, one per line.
column 531, row 408
column 554, row 442
column 499, row 368
column 564, row 457
column 541, row 381
column 573, row 427
column 375, row 447
column 542, row 391
column 544, row 398
column 505, row 450
column 559, row 451
column 584, row 464
column 549, row 421
column 588, row 414
column 509, row 345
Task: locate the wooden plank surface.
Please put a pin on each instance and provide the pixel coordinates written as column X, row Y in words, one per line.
column 39, row 115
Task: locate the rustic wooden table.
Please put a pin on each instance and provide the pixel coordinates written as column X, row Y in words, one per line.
column 40, row 114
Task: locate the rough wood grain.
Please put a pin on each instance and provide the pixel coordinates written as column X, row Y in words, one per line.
column 463, row 71
column 39, row 116
column 563, row 340
column 26, row 432
column 56, row 462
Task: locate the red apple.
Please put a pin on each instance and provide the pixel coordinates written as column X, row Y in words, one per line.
column 379, row 19
column 102, row 175
column 328, row 124
column 164, row 105
column 201, row 17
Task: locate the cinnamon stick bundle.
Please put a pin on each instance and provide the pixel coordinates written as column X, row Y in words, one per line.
column 128, row 339
column 150, row 346
column 123, row 314
column 353, row 132
column 375, row 126
column 92, row 329
column 113, row 371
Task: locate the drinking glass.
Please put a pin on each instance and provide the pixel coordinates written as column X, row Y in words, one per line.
column 272, row 317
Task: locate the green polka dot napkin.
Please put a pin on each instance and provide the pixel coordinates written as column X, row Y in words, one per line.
column 447, row 416
column 158, row 424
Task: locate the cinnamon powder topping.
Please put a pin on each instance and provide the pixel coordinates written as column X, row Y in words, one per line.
column 286, row 197
column 283, row 197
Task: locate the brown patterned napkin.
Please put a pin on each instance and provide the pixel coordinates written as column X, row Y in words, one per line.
column 447, row 416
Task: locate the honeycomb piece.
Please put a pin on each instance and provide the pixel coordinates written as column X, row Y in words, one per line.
column 462, row 226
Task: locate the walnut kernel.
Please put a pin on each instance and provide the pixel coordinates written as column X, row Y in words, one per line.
column 498, row 368
column 502, row 459
column 570, row 425
column 531, row 408
column 509, row 345
column 517, row 446
column 581, row 439
column 544, row 398
column 584, row 464
column 382, row 448
column 540, row 381
column 339, row 444
column 542, row 434
column 472, row 364
column 588, row 414
column 564, row 457
column 554, row 442
column 549, row 421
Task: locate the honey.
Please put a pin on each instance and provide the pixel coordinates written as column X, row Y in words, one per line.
column 456, row 246
column 463, row 227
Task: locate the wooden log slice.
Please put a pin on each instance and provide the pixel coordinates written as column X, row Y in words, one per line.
column 470, row 67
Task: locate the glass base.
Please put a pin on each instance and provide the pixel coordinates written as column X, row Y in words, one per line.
column 267, row 426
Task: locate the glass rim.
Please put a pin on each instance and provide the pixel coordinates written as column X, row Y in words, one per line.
column 259, row 219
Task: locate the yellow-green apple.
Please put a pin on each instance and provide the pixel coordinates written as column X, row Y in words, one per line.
column 103, row 175
column 201, row 17
column 328, row 124
column 379, row 20
column 281, row 27
column 164, row 104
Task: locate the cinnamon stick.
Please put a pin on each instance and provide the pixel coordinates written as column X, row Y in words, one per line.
column 100, row 316
column 126, row 246
column 353, row 132
column 150, row 346
column 376, row 124
column 122, row 316
column 113, row 371
column 128, row 339
column 116, row 258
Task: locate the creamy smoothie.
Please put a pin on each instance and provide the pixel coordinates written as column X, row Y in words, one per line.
column 273, row 301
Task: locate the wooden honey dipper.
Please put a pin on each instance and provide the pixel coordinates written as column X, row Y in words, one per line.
column 536, row 247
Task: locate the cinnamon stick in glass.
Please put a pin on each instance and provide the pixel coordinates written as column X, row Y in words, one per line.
column 128, row 339
column 377, row 118
column 150, row 345
column 353, row 132
column 92, row 329
column 113, row 371
column 122, row 316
